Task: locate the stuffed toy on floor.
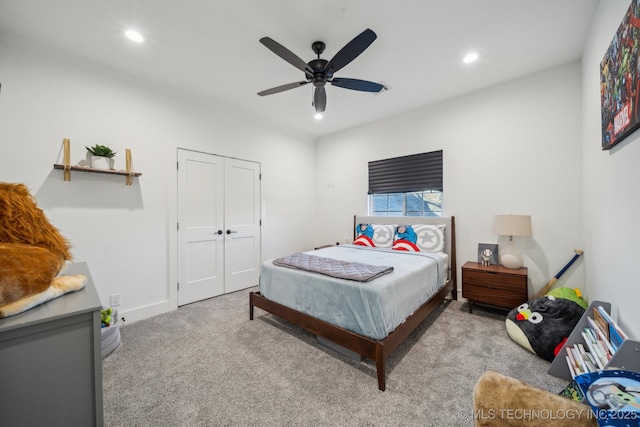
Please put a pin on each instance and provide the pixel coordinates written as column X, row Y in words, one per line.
column 543, row 325
column 501, row 401
column 32, row 254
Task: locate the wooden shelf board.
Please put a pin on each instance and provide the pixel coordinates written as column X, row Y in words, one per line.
column 92, row 170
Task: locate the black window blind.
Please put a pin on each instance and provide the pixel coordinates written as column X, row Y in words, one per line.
column 417, row 172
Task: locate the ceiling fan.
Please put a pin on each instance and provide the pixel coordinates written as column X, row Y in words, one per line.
column 320, row 71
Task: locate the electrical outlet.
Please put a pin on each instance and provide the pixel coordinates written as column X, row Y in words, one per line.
column 115, row 300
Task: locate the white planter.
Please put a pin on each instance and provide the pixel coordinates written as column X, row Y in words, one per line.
column 110, row 336
column 110, row 339
column 99, row 162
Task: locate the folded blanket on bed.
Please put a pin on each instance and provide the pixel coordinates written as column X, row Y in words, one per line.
column 333, row 267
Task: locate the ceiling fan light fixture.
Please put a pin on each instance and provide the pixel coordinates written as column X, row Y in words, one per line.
column 134, row 35
column 470, row 57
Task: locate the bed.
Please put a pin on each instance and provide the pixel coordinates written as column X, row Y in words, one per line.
column 370, row 318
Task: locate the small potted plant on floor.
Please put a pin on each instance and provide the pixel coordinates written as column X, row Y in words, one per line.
column 101, row 157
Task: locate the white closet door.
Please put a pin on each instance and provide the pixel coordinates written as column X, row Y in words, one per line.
column 200, row 226
column 218, row 225
column 242, row 222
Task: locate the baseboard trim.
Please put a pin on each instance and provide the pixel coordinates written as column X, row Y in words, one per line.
column 144, row 312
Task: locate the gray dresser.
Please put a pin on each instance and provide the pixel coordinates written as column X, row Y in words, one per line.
column 51, row 361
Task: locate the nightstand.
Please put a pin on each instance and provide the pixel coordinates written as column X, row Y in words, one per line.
column 494, row 285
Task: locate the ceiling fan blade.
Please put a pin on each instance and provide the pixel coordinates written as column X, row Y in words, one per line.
column 350, row 51
column 286, row 54
column 320, row 99
column 355, row 84
column 282, row 88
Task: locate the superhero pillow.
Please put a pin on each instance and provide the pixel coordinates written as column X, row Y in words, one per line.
column 404, row 239
column 429, row 237
column 374, row 235
column 544, row 324
column 404, row 245
column 364, row 241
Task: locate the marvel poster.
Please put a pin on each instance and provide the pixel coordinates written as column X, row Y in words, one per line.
column 619, row 83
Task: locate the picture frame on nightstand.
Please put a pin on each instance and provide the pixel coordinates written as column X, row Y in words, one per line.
column 488, row 254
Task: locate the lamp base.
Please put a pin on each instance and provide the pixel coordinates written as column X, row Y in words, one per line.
column 511, row 257
column 511, row 261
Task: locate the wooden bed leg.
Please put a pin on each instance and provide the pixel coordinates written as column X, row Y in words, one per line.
column 380, row 366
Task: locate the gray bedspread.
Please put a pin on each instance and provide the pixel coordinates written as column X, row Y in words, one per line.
column 341, row 269
column 372, row 309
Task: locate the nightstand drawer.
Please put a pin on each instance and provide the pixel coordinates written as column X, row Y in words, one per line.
column 494, row 285
column 494, row 296
column 500, row 281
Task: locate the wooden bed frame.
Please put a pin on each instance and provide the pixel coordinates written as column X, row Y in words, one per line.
column 376, row 350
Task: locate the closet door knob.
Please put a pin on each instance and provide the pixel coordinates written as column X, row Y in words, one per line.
column 219, row 232
column 229, row 231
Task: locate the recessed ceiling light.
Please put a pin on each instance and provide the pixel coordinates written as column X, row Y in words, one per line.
column 318, row 116
column 470, row 57
column 134, row 35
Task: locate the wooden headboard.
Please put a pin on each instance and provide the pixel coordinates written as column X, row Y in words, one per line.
column 449, row 234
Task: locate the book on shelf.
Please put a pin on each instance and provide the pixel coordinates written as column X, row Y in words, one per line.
column 593, row 349
column 615, row 334
column 601, row 338
column 600, row 322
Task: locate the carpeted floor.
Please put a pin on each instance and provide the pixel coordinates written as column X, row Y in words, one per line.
column 207, row 364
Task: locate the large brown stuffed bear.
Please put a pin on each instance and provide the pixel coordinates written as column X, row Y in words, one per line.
column 32, row 254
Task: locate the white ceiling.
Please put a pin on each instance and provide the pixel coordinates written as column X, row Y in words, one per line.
column 210, row 48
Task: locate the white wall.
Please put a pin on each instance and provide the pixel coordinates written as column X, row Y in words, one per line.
column 513, row 148
column 127, row 234
column 530, row 146
column 611, row 179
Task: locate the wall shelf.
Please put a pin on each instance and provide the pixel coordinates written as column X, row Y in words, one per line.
column 105, row 171
column 67, row 168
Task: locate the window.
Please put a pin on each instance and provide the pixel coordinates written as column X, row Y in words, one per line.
column 415, row 203
column 406, row 186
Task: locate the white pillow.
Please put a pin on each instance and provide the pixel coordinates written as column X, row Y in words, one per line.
column 430, row 237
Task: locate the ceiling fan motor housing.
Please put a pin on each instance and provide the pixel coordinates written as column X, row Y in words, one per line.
column 319, row 76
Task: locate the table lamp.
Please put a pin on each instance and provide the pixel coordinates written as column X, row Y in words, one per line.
column 512, row 225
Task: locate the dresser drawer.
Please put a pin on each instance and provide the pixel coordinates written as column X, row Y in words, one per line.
column 494, row 285
column 500, row 281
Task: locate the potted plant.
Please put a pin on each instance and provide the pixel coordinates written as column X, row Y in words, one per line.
column 101, row 157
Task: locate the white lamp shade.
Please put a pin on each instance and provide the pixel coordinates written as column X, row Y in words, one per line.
column 512, row 225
